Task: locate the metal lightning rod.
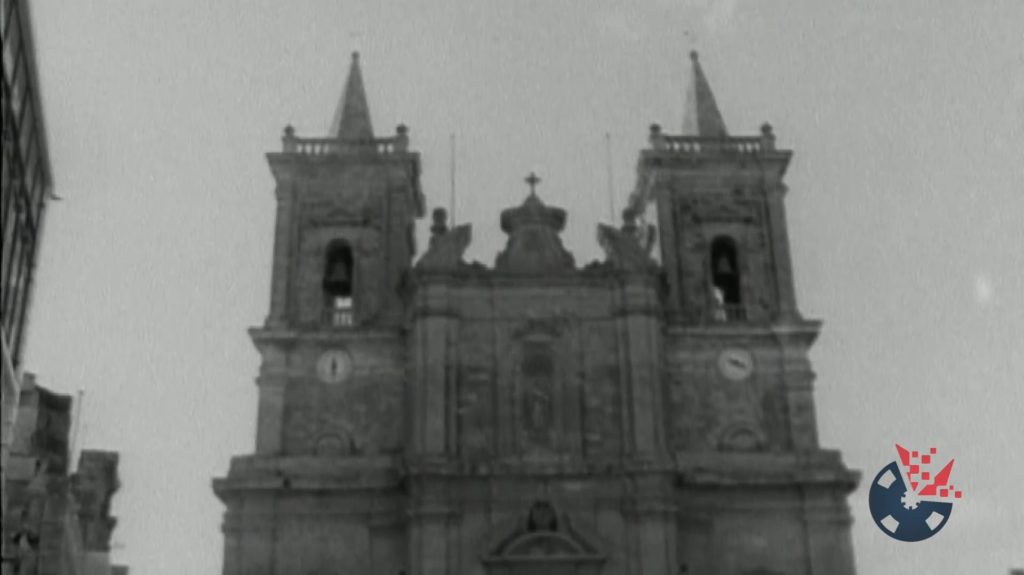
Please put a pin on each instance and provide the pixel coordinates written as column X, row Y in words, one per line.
column 451, row 170
column 611, row 177
column 76, row 435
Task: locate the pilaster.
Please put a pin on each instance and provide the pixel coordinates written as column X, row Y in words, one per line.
column 284, row 236
column 779, row 234
column 270, row 414
column 794, row 341
column 431, row 373
column 642, row 340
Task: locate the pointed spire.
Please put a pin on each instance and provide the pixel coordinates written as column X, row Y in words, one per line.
column 352, row 118
column 701, row 116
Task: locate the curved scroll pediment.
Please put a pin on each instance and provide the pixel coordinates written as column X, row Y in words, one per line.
column 544, row 539
column 545, row 546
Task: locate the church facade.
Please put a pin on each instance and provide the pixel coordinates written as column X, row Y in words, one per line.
column 431, row 416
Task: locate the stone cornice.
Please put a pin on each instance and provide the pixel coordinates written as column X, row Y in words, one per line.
column 289, row 336
column 803, row 331
column 721, row 470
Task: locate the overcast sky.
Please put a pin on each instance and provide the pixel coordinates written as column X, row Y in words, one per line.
column 905, row 210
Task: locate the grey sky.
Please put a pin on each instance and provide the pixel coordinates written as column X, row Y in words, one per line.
column 907, row 120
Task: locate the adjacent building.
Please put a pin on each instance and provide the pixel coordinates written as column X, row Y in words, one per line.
column 54, row 522
column 633, row 415
column 57, row 522
column 26, row 185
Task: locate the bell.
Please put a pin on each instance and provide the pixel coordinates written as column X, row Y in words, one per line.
column 339, row 279
column 724, row 267
column 339, row 274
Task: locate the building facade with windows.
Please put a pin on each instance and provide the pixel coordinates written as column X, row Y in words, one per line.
column 26, row 183
column 435, row 416
column 55, row 521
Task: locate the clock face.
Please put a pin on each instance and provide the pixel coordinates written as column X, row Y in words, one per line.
column 736, row 364
column 334, row 366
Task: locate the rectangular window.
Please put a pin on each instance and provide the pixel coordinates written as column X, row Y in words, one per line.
column 8, row 16
column 10, row 284
column 25, row 283
column 26, row 127
column 16, row 83
column 12, row 38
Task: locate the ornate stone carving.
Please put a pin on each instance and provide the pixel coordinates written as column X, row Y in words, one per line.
column 627, row 249
column 549, row 327
column 357, row 207
column 446, row 246
column 718, row 208
column 542, row 517
column 538, row 380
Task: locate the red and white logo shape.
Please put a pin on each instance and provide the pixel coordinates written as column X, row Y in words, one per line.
column 911, row 499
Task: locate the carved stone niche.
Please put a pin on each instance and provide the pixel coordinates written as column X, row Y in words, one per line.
column 543, row 542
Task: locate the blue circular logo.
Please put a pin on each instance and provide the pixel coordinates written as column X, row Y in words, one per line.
column 898, row 510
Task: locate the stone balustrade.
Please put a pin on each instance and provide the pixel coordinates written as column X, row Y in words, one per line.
column 292, row 144
column 705, row 146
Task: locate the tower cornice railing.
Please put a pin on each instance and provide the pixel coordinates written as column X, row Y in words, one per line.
column 322, row 147
column 706, row 146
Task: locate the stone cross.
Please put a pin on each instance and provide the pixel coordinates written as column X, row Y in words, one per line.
column 533, row 180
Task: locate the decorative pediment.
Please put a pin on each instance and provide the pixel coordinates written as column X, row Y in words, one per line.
column 543, row 540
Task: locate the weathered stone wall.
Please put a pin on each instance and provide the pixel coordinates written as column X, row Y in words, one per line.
column 362, row 415
column 506, row 439
column 536, row 415
column 697, row 203
column 481, row 330
column 596, row 512
column 311, row 514
column 712, row 412
column 738, row 531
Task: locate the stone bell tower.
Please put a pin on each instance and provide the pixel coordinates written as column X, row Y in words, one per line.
column 756, row 489
column 535, row 416
column 332, row 374
column 721, row 214
column 345, row 213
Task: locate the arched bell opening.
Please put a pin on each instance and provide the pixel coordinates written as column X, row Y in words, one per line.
column 725, row 280
column 338, row 284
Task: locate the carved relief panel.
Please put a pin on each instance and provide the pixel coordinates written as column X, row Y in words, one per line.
column 538, row 383
column 545, row 389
